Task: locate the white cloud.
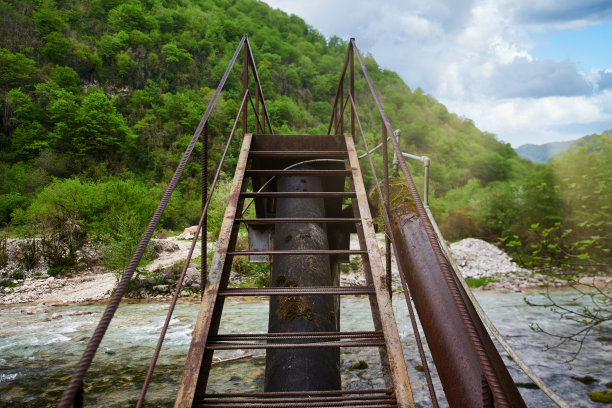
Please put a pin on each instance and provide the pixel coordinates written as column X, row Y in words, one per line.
column 474, row 56
column 537, row 120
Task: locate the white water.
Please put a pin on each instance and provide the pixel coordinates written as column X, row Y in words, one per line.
column 38, row 356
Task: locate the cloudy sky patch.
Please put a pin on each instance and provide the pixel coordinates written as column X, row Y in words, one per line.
column 528, row 71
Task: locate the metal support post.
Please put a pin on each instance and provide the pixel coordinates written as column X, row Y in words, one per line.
column 203, row 269
column 397, row 133
column 385, row 205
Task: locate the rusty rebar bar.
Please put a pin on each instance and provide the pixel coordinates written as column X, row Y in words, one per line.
column 179, row 283
column 76, row 381
column 415, row 329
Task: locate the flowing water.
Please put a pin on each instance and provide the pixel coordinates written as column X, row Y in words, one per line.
column 38, row 351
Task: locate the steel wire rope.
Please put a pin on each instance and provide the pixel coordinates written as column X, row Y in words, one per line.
column 485, row 363
column 74, row 386
column 181, row 278
column 415, row 329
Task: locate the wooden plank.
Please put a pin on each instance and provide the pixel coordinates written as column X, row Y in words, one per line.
column 399, row 373
column 189, row 379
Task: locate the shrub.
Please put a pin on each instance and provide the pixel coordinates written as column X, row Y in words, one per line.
column 61, row 243
column 17, row 274
column 3, row 252
column 121, row 242
column 28, row 255
column 479, row 282
column 56, row 271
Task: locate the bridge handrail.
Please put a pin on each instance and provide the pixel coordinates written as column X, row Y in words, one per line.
column 338, row 120
column 73, row 393
column 431, row 228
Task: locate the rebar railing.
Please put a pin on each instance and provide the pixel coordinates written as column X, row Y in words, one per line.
column 337, row 122
column 73, row 393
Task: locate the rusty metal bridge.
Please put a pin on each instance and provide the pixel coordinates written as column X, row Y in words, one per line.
column 309, row 195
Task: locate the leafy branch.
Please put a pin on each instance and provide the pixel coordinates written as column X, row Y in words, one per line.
column 587, row 318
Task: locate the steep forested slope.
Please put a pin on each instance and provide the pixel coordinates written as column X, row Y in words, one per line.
column 99, row 99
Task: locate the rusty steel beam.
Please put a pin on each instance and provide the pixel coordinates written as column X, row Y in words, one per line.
column 256, row 221
column 299, row 194
column 299, row 173
column 195, row 355
column 318, row 154
column 299, row 291
column 399, row 372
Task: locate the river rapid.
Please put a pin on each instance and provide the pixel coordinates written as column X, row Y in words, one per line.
column 41, row 344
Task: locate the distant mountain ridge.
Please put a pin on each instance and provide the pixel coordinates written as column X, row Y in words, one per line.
column 543, row 153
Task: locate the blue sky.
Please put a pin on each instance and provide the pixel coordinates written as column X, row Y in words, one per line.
column 589, row 47
column 529, row 71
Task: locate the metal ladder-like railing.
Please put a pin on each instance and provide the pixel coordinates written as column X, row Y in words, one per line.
column 73, row 393
column 206, row 339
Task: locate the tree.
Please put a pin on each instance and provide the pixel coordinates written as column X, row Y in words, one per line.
column 29, row 139
column 56, row 46
column 101, row 131
column 176, row 58
column 66, row 78
column 16, row 70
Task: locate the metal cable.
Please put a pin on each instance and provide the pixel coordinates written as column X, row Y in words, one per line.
column 203, row 263
column 432, row 391
column 179, row 284
column 487, row 368
column 76, row 381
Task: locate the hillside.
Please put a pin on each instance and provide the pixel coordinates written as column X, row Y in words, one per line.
column 99, row 99
column 541, row 153
column 544, row 153
column 100, row 88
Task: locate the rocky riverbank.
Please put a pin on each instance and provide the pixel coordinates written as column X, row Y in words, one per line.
column 488, row 266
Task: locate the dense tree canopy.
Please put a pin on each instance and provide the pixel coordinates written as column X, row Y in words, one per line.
column 102, row 89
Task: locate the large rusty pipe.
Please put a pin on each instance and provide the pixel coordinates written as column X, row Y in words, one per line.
column 311, row 369
column 448, row 341
column 452, row 350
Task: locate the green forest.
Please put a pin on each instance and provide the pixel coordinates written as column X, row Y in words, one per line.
column 100, row 98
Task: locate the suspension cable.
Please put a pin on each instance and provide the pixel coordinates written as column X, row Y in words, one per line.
column 485, row 319
column 407, row 294
column 179, row 284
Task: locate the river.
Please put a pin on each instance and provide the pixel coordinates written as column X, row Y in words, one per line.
column 38, row 351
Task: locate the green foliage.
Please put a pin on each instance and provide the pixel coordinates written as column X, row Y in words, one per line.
column 93, row 205
column 66, row 78
column 568, row 210
column 253, row 274
column 122, row 240
column 106, row 97
column 216, row 211
column 56, row 46
column 479, row 282
column 56, row 271
column 17, row 274
column 16, row 70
